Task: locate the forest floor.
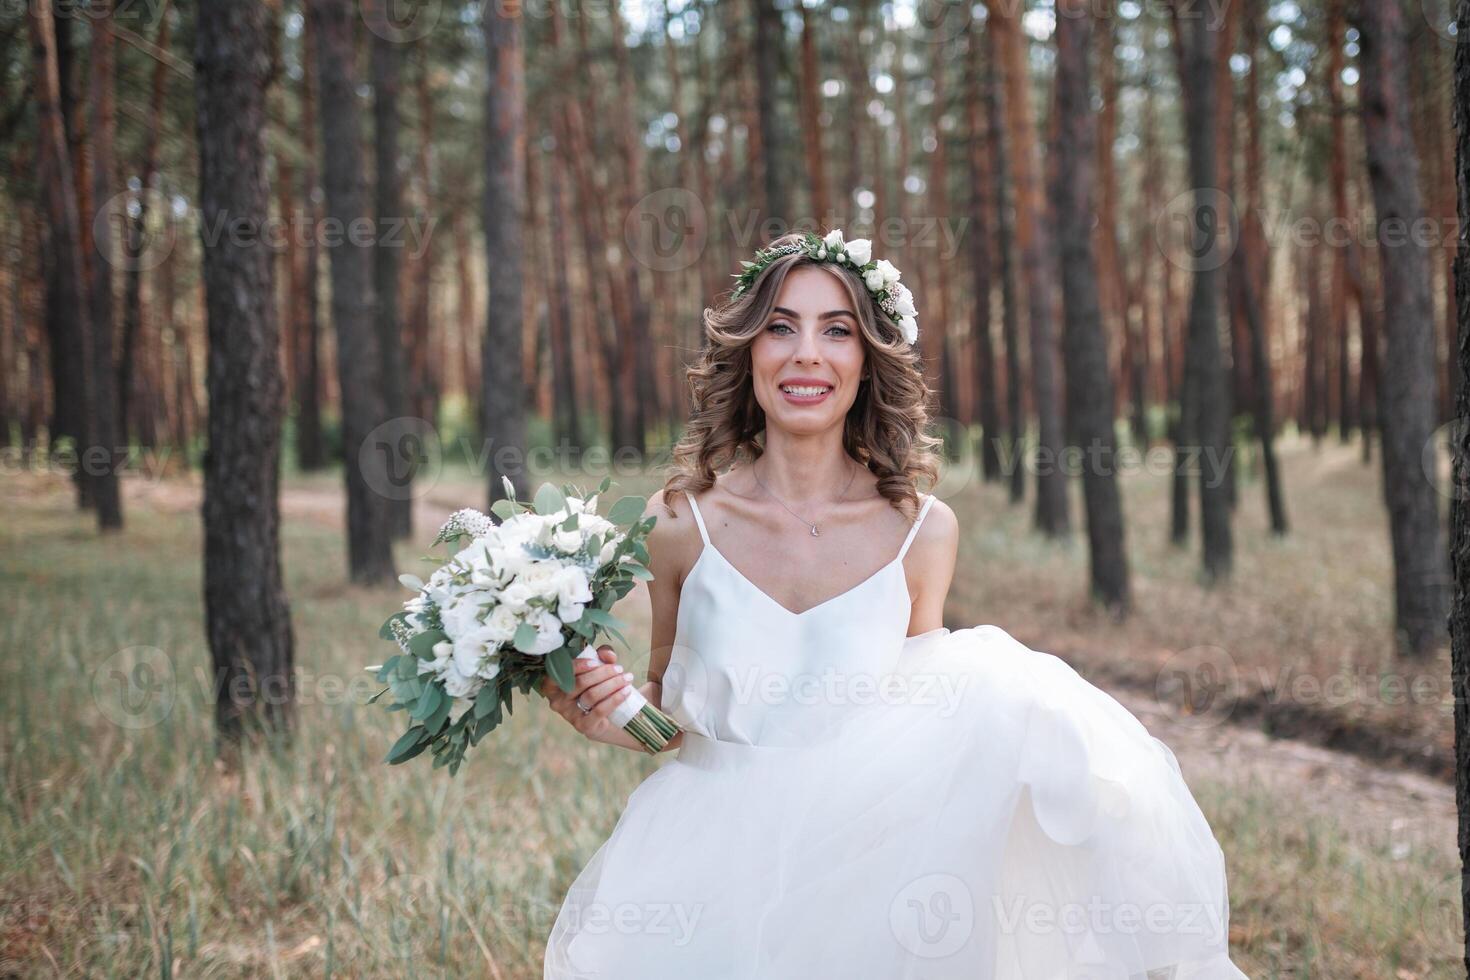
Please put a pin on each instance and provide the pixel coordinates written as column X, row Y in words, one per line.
column 124, row 848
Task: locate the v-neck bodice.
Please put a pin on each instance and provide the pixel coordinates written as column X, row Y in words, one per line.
column 745, row 668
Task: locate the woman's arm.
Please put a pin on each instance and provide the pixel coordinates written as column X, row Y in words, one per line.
column 604, row 686
column 929, row 567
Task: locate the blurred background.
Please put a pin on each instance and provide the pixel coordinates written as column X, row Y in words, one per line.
column 283, row 283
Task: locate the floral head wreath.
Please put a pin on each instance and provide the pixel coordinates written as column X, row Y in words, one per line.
column 881, row 278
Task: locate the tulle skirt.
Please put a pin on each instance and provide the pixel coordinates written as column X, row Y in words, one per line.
column 990, row 816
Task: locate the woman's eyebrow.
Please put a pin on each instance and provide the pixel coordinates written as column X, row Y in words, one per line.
column 825, row 316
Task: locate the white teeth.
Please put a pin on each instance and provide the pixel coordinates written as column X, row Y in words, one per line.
column 805, row 391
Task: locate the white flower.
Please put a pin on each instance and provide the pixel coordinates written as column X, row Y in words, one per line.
column 460, row 685
column 541, row 578
column 567, row 542
column 463, row 616
column 860, row 250
column 833, row 239
column 889, row 272
column 874, row 280
column 548, row 632
column 573, row 592
column 443, row 654
column 903, row 300
column 910, row 328
column 500, row 628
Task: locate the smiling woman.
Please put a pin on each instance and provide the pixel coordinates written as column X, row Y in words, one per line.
column 824, row 815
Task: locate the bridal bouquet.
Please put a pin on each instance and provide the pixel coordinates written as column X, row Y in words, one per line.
column 517, row 601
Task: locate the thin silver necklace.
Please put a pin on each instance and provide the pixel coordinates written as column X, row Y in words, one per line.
column 794, row 513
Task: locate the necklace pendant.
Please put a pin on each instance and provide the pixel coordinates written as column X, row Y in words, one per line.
column 814, row 530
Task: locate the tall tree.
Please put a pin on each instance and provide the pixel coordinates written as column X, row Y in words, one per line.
column 1207, row 415
column 1050, row 515
column 387, row 64
column 505, row 127
column 247, row 617
column 1407, row 386
column 981, row 181
column 1089, row 383
column 66, row 304
column 359, row 365
column 767, row 64
column 101, row 459
column 311, row 451
column 1459, row 618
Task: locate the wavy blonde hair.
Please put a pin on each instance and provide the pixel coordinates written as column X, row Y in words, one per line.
column 886, row 428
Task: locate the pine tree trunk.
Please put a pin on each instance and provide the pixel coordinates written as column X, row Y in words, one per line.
column 359, row 365
column 387, row 61
column 1408, row 384
column 1005, row 242
column 1207, row 419
column 103, row 457
column 311, row 453
column 504, row 387
column 981, row 181
column 248, row 620
column 1459, row 617
column 1050, row 515
column 1089, row 383
column 67, row 310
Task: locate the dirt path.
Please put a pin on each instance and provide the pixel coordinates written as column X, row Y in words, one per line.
column 1387, row 804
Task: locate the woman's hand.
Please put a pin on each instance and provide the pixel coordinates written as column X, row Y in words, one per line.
column 600, row 687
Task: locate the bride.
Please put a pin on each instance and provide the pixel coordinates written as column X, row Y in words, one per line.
column 859, row 791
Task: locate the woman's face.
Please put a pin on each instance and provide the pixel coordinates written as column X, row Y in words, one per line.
column 808, row 357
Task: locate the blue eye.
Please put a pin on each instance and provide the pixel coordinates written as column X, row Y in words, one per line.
column 844, row 331
column 779, row 324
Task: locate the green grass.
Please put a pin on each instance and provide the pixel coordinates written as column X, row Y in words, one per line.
column 126, row 851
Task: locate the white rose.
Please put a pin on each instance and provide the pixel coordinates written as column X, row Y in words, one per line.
column 501, row 626
column 471, row 650
column 460, row 685
column 567, row 542
column 463, row 616
column 518, row 595
column 541, row 578
column 873, row 279
column 861, row 250
column 548, row 632
column 910, row 328
column 833, row 238
column 889, row 271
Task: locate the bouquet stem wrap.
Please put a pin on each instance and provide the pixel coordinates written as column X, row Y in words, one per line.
column 651, row 727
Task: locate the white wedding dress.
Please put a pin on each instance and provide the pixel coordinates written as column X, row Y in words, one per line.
column 853, row 804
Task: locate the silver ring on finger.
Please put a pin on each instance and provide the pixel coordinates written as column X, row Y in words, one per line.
column 585, row 710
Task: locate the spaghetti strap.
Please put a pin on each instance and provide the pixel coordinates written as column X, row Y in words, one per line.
column 698, row 517
column 913, row 531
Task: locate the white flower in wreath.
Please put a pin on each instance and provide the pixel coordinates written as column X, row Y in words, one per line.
column 888, row 271
column 903, row 300
column 910, row 327
column 833, row 240
column 860, row 250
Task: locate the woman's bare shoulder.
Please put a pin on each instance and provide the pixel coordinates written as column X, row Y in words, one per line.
column 674, row 543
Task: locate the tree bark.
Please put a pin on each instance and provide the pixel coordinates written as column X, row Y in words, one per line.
column 359, row 364
column 1408, row 384
column 504, row 395
column 387, row 62
column 1050, row 515
column 102, row 459
column 247, row 617
column 981, row 181
column 1459, row 617
column 1207, row 420
column 67, row 311
column 1089, row 384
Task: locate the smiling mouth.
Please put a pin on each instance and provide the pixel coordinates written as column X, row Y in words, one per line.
column 806, row 391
